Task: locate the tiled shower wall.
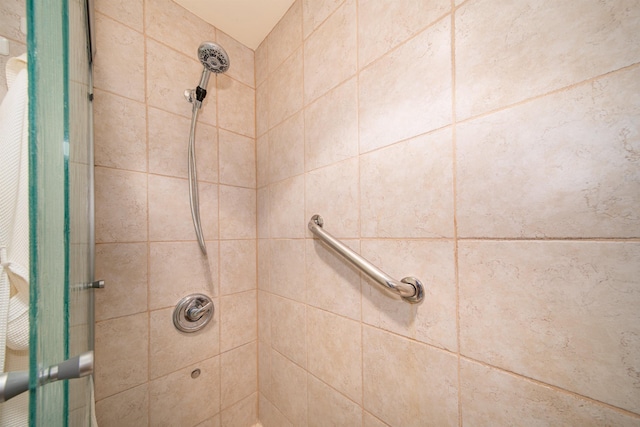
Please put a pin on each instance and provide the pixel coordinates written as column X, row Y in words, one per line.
column 489, row 148
column 146, row 248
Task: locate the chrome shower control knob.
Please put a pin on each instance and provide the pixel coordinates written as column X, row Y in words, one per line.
column 193, row 312
column 196, row 311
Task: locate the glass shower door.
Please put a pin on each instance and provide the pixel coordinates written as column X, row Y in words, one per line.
column 61, row 206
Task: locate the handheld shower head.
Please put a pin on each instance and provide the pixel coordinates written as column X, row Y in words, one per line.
column 213, row 57
column 215, row 60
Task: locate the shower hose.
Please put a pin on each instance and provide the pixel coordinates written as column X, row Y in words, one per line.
column 193, row 181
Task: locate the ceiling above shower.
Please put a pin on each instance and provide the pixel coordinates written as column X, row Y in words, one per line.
column 248, row 21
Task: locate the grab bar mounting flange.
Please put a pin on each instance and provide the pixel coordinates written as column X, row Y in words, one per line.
column 409, row 289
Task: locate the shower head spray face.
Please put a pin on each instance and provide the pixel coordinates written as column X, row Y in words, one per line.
column 213, row 57
column 215, row 60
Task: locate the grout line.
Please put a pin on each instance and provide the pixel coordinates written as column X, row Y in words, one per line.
column 359, row 190
column 415, row 34
column 473, row 239
column 148, row 243
column 455, row 206
column 550, row 239
column 256, row 240
column 217, row 238
column 119, row 95
column 266, row 280
column 113, row 19
column 304, row 209
column 316, row 27
column 552, row 92
column 555, row 388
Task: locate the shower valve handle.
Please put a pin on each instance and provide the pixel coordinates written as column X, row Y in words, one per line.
column 197, row 311
column 193, row 312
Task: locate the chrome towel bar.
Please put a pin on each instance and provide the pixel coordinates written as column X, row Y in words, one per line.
column 409, row 289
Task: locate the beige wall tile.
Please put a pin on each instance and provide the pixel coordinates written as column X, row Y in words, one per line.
column 127, row 409
column 328, row 408
column 262, row 64
column 263, row 209
column 433, row 263
column 239, row 374
column 264, row 317
column 263, row 265
column 242, row 414
column 169, row 209
column 333, row 193
column 175, row 26
column 211, row 422
column 179, row 400
column 262, row 109
column 238, row 315
column 237, row 213
column 493, row 397
column 121, row 54
column 330, row 53
column 561, row 312
column 559, row 166
column 237, row 266
column 331, row 127
column 241, row 58
column 407, row 92
column 332, row 283
column 121, row 354
column 417, row 204
column 288, row 329
column 171, row 349
column 12, row 11
column 207, row 153
column 285, row 37
column 383, row 25
column 285, row 89
column 120, row 205
column 120, row 135
column 286, row 208
column 178, row 269
column 371, row 421
column 237, row 160
column 547, row 45
column 264, row 368
column 337, row 351
column 127, row 12
column 270, row 416
column 395, row 366
column 289, row 389
column 286, row 269
column 123, row 266
column 262, row 161
column 236, row 106
column 169, row 144
column 314, row 12
column 286, row 149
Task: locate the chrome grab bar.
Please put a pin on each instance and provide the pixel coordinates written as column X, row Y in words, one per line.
column 17, row 382
column 409, row 289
